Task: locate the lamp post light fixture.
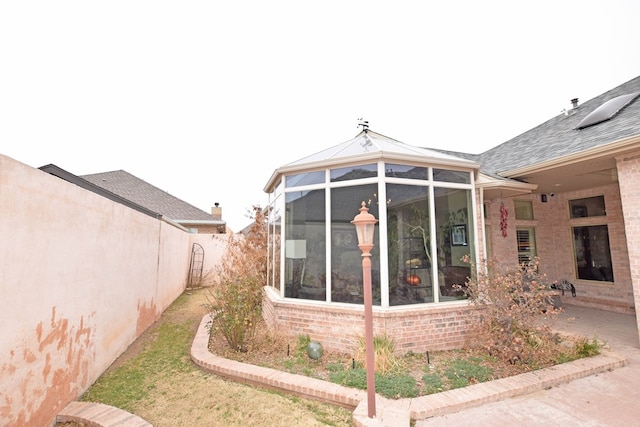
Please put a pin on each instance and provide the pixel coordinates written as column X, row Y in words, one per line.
column 365, row 227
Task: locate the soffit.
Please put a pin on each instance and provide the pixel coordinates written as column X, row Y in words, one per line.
column 496, row 187
column 591, row 168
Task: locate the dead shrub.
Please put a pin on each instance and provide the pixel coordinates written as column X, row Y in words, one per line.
column 517, row 314
column 235, row 297
column 384, row 359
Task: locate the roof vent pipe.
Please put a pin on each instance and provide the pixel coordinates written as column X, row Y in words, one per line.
column 574, row 102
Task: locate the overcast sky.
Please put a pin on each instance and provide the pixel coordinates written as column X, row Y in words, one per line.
column 205, row 99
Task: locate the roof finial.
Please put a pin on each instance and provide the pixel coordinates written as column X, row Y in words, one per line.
column 364, row 124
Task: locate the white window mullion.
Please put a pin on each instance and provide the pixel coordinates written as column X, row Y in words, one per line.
column 383, row 240
column 435, row 279
column 328, row 237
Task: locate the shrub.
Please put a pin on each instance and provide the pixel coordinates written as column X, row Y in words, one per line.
column 356, row 378
column 300, row 351
column 433, row 383
column 235, row 302
column 303, row 343
column 516, row 314
column 393, row 386
column 335, row 367
column 587, row 348
column 383, row 353
column 396, row 386
column 463, row 372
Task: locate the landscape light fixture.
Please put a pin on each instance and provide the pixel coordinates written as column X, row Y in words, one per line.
column 365, row 228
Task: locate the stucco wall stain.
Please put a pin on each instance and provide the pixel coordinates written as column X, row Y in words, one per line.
column 5, row 408
column 57, row 370
column 6, row 401
column 47, row 367
column 28, row 356
column 147, row 314
column 59, row 332
column 7, row 368
column 83, row 331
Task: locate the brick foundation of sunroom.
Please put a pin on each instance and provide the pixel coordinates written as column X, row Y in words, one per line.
column 338, row 327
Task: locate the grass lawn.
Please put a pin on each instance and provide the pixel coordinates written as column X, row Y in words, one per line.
column 156, row 380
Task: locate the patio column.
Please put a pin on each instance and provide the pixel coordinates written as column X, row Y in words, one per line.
column 628, row 166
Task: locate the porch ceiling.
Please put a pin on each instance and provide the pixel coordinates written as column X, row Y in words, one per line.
column 566, row 174
column 587, row 173
column 587, row 169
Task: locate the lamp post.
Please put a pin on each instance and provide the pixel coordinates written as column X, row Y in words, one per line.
column 365, row 227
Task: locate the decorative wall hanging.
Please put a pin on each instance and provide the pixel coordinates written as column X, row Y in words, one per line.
column 503, row 219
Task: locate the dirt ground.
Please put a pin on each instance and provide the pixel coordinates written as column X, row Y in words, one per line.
column 271, row 350
column 196, row 398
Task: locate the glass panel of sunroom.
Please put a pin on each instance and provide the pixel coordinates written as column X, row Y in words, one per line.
column 409, row 250
column 406, row 171
column 445, row 175
column 454, row 238
column 304, row 247
column 354, row 172
column 274, row 221
column 308, row 178
column 346, row 257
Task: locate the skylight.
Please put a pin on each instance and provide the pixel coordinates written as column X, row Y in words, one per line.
column 607, row 110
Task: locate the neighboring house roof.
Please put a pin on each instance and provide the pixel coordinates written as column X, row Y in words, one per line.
column 141, row 192
column 74, row 179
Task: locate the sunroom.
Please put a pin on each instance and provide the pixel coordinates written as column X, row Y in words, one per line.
column 424, row 201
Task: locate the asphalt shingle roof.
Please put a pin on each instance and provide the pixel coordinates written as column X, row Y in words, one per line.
column 558, row 137
column 141, row 192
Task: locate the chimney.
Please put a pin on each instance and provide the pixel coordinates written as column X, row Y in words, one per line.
column 216, row 211
column 574, row 103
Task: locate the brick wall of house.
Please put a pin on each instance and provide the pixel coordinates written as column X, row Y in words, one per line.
column 554, row 244
column 338, row 326
column 628, row 167
column 207, row 229
column 502, row 249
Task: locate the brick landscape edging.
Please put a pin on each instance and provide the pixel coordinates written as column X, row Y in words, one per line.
column 443, row 403
column 95, row 414
column 273, row 379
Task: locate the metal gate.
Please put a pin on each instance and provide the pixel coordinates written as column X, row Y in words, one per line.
column 197, row 264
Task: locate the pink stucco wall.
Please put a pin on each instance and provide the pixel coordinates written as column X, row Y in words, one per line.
column 214, row 246
column 82, row 277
